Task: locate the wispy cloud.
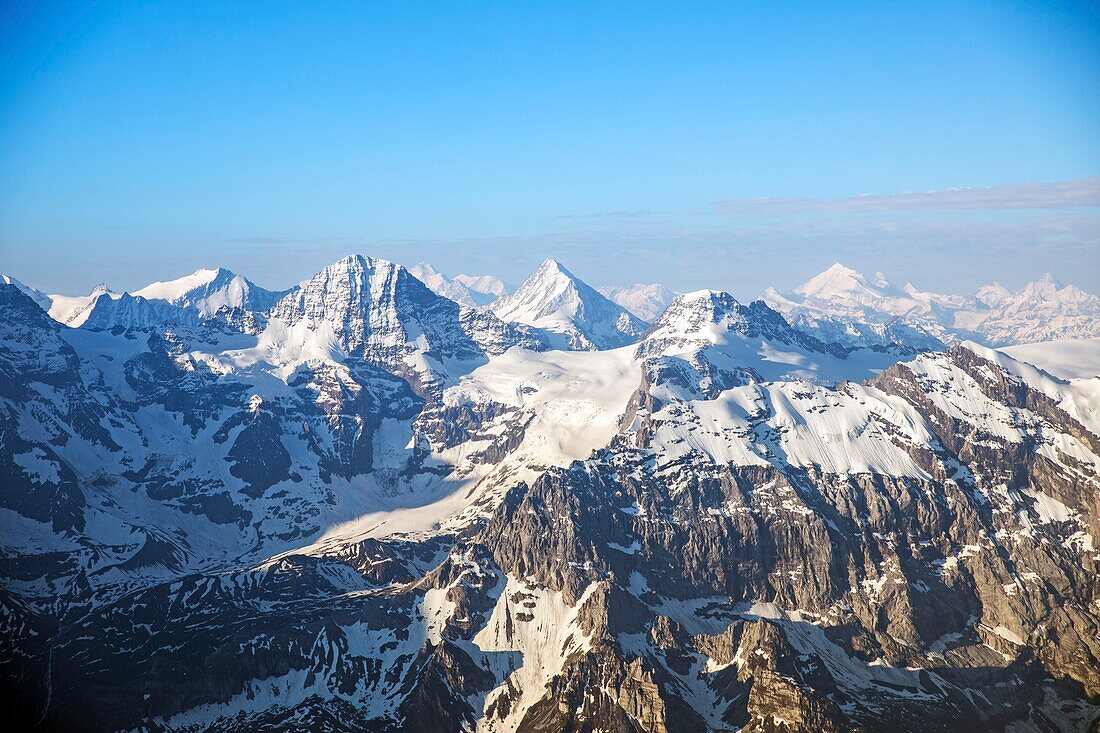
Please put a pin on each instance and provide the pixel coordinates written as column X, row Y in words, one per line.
column 605, row 215
column 1015, row 196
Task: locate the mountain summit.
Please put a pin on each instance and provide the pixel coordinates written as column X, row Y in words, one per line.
column 470, row 290
column 208, row 290
column 376, row 308
column 370, row 511
column 576, row 315
column 644, row 301
column 842, row 305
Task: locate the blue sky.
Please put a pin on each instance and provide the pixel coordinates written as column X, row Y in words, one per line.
column 727, row 145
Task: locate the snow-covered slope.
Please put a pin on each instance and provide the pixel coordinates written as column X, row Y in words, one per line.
column 577, row 316
column 1067, row 358
column 644, row 301
column 209, row 290
column 37, row 296
column 1043, row 310
column 73, row 310
column 726, row 343
column 844, row 306
column 377, row 509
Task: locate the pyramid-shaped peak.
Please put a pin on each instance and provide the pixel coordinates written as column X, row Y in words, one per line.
column 1046, row 286
column 836, row 279
column 554, row 299
column 552, row 265
column 1048, row 282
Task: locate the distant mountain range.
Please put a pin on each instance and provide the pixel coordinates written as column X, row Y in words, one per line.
column 843, row 305
column 645, row 301
column 362, row 504
column 839, row 305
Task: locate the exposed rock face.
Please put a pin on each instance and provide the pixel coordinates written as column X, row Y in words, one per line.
column 377, row 310
column 369, row 510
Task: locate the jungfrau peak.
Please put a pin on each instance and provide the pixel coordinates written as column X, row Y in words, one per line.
column 574, row 314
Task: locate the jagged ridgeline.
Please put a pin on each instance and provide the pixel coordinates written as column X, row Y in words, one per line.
column 380, row 502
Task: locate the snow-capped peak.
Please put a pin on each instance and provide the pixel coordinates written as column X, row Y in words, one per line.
column 348, row 287
column 707, row 316
column 73, row 310
column 473, row 291
column 487, row 285
column 728, row 343
column 645, row 301
column 575, row 314
column 541, row 294
column 837, row 278
column 377, row 308
column 842, row 305
column 1047, row 286
column 840, row 281
column 37, row 296
column 209, row 289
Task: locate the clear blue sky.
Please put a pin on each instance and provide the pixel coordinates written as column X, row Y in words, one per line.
column 142, row 140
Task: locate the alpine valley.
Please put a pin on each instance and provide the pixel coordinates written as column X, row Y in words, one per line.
column 387, row 501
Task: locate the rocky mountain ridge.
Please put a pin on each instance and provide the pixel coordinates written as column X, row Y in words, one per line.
column 369, row 507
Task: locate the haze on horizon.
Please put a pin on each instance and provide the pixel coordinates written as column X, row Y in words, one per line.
column 732, row 146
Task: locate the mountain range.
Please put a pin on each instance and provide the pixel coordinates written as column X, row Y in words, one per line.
column 363, row 504
column 845, row 306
